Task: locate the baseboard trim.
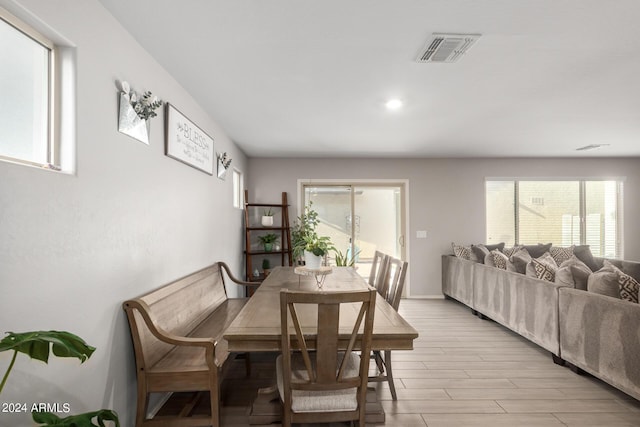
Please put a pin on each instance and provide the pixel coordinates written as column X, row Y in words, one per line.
column 426, row 297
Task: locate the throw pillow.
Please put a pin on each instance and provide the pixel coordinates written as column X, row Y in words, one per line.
column 543, row 267
column 500, row 260
column 605, row 281
column 520, row 259
column 481, row 251
column 460, row 251
column 573, row 273
column 560, row 254
column 510, row 251
column 584, row 254
column 629, row 287
column 581, row 276
column 536, row 251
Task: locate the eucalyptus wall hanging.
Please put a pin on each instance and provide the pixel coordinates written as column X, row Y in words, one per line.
column 136, row 111
column 224, row 162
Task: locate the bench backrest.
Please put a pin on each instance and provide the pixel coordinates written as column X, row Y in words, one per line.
column 176, row 308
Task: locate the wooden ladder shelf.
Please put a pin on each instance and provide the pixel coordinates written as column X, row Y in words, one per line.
column 253, row 228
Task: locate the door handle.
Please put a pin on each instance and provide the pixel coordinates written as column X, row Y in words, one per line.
column 401, row 241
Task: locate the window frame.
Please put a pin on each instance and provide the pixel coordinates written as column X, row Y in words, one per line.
column 238, row 191
column 582, row 183
column 53, row 160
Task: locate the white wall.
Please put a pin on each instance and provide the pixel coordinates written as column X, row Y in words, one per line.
column 74, row 247
column 446, row 196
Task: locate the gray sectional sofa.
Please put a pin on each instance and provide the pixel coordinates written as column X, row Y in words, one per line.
column 592, row 332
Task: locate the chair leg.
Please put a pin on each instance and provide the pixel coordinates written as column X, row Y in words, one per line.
column 387, row 363
column 379, row 362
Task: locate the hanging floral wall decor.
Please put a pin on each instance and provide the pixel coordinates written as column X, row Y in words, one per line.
column 224, row 161
column 136, row 111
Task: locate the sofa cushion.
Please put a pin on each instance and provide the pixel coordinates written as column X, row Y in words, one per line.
column 583, row 252
column 561, row 254
column 481, row 251
column 605, row 281
column 536, row 251
column 520, row 259
column 628, row 287
column 573, row 273
column 543, row 267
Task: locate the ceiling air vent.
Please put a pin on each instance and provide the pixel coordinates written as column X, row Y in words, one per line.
column 446, row 47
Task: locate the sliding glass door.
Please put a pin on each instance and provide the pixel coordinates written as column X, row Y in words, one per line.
column 360, row 219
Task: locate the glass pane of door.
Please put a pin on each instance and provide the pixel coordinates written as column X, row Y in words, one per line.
column 360, row 219
column 333, row 205
column 378, row 224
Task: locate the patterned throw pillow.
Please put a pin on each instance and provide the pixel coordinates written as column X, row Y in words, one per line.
column 543, row 267
column 460, row 251
column 629, row 287
column 500, row 260
column 560, row 255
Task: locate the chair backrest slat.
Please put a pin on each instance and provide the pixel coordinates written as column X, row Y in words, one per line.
column 378, row 273
column 328, row 371
column 395, row 277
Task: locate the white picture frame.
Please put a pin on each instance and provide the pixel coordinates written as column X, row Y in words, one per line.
column 186, row 142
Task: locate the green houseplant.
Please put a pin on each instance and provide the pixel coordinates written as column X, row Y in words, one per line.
column 345, row 260
column 266, row 266
column 267, row 241
column 39, row 345
column 305, row 240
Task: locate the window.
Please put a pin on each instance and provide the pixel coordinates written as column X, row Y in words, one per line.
column 564, row 213
column 27, row 66
column 238, row 196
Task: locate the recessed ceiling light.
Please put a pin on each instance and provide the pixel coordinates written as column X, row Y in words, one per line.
column 591, row 147
column 393, row 104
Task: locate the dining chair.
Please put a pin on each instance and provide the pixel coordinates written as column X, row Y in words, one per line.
column 330, row 383
column 395, row 277
column 378, row 272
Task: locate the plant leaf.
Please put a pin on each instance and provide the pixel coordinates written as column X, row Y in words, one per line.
column 46, row 419
column 37, row 344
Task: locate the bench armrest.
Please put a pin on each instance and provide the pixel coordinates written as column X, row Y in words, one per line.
column 236, row 280
column 209, row 344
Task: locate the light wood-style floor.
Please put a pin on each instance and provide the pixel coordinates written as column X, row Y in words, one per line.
column 465, row 371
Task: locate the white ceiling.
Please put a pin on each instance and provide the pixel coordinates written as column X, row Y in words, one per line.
column 291, row 78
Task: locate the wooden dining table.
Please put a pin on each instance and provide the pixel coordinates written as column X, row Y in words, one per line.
column 257, row 326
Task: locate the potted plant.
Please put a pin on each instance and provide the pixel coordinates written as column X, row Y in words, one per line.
column 267, row 218
column 346, row 260
column 266, row 267
column 305, row 241
column 267, row 241
column 38, row 345
column 315, row 249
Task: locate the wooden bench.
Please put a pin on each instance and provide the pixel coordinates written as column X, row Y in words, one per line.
column 177, row 339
